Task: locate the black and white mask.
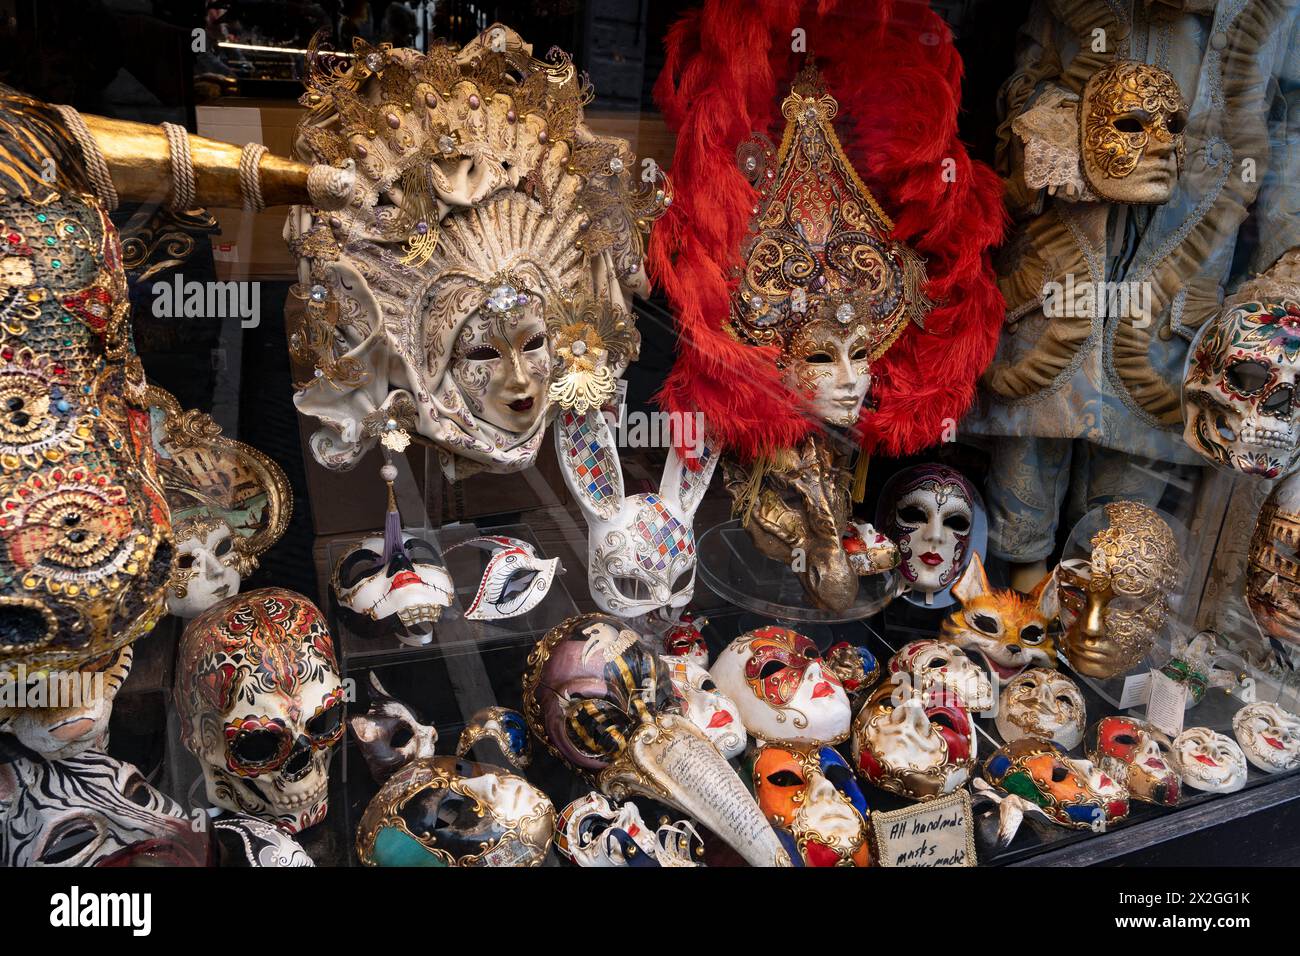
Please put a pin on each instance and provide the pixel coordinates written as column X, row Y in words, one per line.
column 406, row 592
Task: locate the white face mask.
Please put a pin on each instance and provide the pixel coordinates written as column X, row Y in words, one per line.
column 408, row 592
column 940, row 666
column 830, row 363
column 1042, row 703
column 501, row 361
column 1208, row 761
column 1269, row 736
column 640, row 549
column 515, row 580
column 914, row 744
column 592, row 831
column 935, row 516
column 707, row 707
column 207, row 570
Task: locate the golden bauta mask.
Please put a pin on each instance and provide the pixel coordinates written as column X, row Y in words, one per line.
column 1131, row 122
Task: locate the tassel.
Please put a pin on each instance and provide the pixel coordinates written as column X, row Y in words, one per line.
column 860, row 476
column 744, row 502
column 393, row 519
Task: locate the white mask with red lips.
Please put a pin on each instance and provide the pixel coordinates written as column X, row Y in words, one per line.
column 937, row 518
column 409, row 590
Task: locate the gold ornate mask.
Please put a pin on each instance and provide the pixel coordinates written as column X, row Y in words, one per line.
column 1273, row 571
column 1131, row 123
column 1114, row 603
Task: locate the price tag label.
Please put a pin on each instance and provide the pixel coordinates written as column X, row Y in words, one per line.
column 1166, row 704
column 1136, row 690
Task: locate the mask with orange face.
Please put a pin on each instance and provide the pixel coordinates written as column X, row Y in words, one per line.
column 813, row 802
column 1009, row 632
column 1072, row 793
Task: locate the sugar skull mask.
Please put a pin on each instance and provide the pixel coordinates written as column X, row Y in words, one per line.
column 515, row 580
column 1125, row 749
column 1072, row 793
column 1043, row 703
column 1114, row 602
column 1208, row 761
column 484, row 200
column 601, row 704
column 937, row 518
column 1239, row 392
column 62, row 728
column 699, row 699
column 784, row 690
column 1007, row 631
column 261, row 705
column 401, row 590
column 443, row 811
column 942, row 667
column 1273, row 568
column 1131, row 122
column 1269, row 736
column 640, row 549
column 814, row 802
column 915, row 744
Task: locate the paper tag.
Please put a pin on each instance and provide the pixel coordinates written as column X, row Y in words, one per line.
column 615, row 410
column 1167, row 704
column 1135, row 692
column 938, row 833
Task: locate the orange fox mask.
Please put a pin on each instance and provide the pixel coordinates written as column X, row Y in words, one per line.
column 1007, row 630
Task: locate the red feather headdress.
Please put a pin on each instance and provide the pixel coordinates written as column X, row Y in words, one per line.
column 897, row 79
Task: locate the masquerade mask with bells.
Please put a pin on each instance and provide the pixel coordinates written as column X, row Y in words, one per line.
column 484, row 204
column 597, row 700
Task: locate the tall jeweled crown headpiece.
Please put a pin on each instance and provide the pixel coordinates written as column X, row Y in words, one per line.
column 820, row 247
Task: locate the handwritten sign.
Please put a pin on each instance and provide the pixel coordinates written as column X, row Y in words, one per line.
column 938, row 833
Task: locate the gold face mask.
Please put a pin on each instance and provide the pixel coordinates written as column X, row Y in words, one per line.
column 1131, row 122
column 1273, row 571
column 1113, row 604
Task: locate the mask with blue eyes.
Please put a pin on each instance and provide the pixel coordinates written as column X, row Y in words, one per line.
column 403, row 594
column 515, row 580
column 501, row 727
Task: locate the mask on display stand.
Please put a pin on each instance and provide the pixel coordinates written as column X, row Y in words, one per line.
column 917, row 744
column 1042, row 703
column 937, row 518
column 1129, row 751
column 229, row 503
column 1207, row 760
column 869, row 552
column 591, row 831
column 941, row 666
column 261, row 705
column 1070, row 793
column 379, row 729
column 59, row 732
column 1114, row 601
column 489, row 219
column 444, row 811
column 640, row 548
column 504, row 728
column 785, row 692
column 1272, row 569
column 708, row 708
column 1008, row 631
column 1269, row 736
column 603, row 706
column 812, row 799
column 685, row 638
column 855, row 667
column 515, row 580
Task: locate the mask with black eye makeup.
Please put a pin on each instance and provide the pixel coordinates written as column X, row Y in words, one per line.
column 402, row 596
column 515, row 580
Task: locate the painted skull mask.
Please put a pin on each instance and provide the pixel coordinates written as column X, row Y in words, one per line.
column 708, row 708
column 75, row 710
column 1273, row 567
column 85, row 531
column 401, row 591
column 1208, row 761
column 1269, row 736
column 261, row 705
column 943, row 667
column 1132, row 119
column 1126, row 750
column 931, row 511
column 1239, row 393
column 1073, row 793
column 444, row 811
column 1043, row 703
column 914, row 743
column 209, row 566
column 784, row 690
column 814, row 802
column 1114, row 602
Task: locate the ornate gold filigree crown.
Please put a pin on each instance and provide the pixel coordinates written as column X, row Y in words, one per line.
column 820, row 247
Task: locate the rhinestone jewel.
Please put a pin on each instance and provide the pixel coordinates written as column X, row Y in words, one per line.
column 446, row 143
column 374, row 62
column 616, row 165
column 844, row 314
column 578, row 348
column 318, row 293
column 503, row 298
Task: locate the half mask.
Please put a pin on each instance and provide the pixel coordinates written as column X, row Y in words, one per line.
column 685, row 638
column 502, row 728
column 515, row 580
column 1007, row 631
column 389, row 734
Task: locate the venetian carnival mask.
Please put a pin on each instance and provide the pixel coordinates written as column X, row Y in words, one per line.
column 1208, row 761
column 388, row 734
column 1269, row 736
column 707, row 707
column 515, row 580
column 444, row 811
column 815, row 804
column 1273, row 569
column 85, row 534
column 1008, row 632
column 73, row 711
column 937, row 518
column 209, row 566
column 1114, row 602
column 685, row 638
column 399, row 590
column 593, row 832
column 640, row 549
column 1125, row 749
column 261, row 705
column 485, row 205
column 601, row 704
column 855, row 666
column 785, row 692
column 941, row 666
column 914, row 743
column 1239, row 392
column 869, row 551
column 1131, row 122
column 1071, row 793
column 1043, row 703
column 506, row 729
